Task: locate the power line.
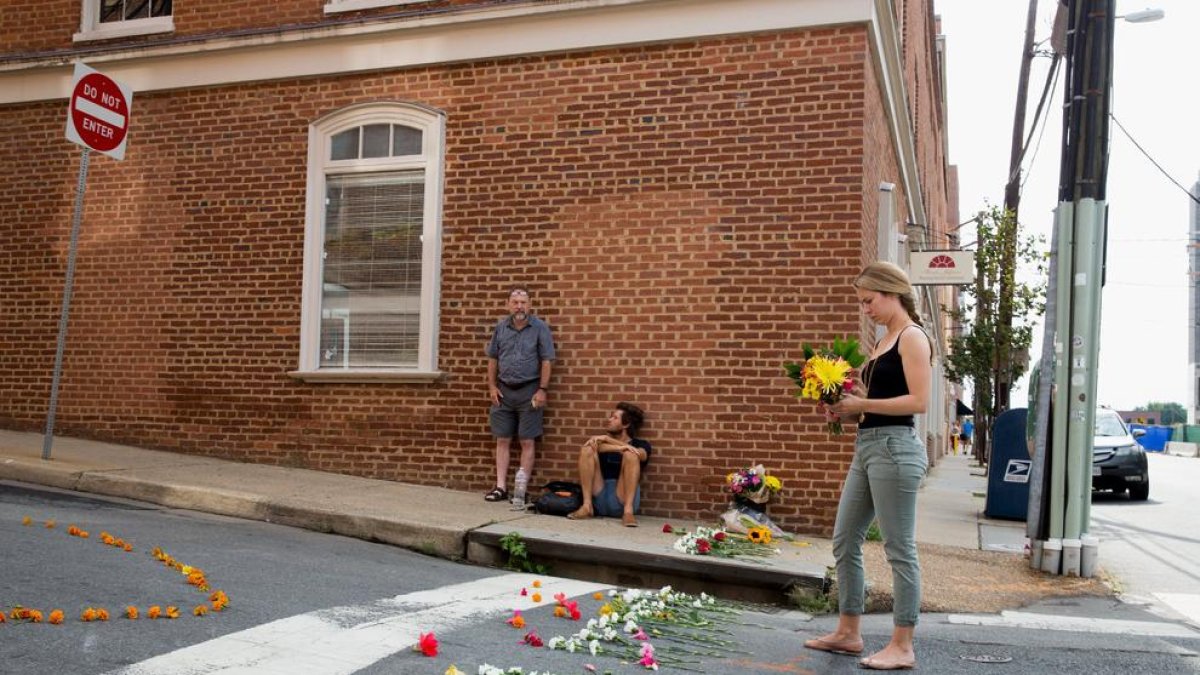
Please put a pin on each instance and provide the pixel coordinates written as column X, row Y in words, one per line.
column 1156, row 164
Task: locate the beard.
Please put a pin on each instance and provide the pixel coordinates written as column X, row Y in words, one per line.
column 520, row 316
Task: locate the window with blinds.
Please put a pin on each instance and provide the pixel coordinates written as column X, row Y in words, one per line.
column 372, row 260
column 371, row 298
column 129, row 10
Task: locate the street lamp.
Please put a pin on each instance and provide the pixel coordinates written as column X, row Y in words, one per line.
column 1144, row 16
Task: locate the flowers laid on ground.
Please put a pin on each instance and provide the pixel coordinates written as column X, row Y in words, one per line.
column 825, row 373
column 217, row 600
column 427, row 644
column 753, row 484
column 516, row 620
column 724, row 544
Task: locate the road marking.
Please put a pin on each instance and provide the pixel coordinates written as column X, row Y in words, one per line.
column 1187, row 604
column 1077, row 624
column 343, row 640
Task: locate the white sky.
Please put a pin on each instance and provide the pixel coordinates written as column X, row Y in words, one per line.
column 1156, row 96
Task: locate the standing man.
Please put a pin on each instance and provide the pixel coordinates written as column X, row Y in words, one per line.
column 520, row 356
column 611, row 466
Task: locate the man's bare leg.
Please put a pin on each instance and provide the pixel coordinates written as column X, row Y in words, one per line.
column 631, row 471
column 589, row 472
column 503, row 447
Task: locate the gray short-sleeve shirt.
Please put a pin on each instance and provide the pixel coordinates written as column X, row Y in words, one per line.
column 520, row 353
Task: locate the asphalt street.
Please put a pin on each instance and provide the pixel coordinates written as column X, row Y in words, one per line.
column 1153, row 547
column 305, row 602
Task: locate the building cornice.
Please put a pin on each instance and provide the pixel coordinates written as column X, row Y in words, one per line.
column 498, row 31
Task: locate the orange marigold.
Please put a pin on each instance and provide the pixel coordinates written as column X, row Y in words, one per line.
column 172, row 612
column 27, row 520
column 50, row 524
column 131, row 612
column 35, row 616
column 537, row 597
column 128, row 547
column 3, row 619
column 56, row 617
column 597, row 595
column 200, row 610
column 537, row 583
column 83, row 534
column 88, row 614
column 560, row 611
column 154, row 612
column 101, row 614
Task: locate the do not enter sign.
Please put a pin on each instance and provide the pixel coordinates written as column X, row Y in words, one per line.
column 98, row 117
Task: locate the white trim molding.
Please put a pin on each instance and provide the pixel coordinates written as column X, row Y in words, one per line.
column 410, row 41
column 90, row 27
column 335, row 6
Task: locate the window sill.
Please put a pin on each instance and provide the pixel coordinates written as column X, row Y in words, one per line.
column 130, row 28
column 335, row 6
column 410, row 376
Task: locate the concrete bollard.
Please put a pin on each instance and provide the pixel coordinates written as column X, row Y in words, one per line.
column 1051, row 555
column 1035, row 554
column 1182, row 449
column 1070, row 557
column 1089, row 555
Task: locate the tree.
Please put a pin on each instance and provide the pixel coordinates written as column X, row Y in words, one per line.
column 987, row 345
column 1172, row 413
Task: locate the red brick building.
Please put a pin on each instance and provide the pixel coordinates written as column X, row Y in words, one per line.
column 324, row 202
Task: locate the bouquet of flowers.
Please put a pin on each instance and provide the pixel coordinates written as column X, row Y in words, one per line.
column 716, row 542
column 825, row 373
column 752, row 484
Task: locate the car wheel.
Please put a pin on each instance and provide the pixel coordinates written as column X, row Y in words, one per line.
column 1119, row 490
column 1141, row 491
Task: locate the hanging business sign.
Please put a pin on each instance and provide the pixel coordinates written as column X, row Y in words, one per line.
column 98, row 114
column 932, row 268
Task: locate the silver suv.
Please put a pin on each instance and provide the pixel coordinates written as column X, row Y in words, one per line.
column 1118, row 461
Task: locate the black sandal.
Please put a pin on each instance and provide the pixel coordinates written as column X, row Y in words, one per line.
column 498, row 494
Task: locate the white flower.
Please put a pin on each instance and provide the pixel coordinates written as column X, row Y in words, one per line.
column 556, row 642
column 593, row 647
column 572, row 645
column 593, row 622
column 631, row 627
column 610, row 635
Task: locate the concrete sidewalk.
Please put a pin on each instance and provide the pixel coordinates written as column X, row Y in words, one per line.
column 462, row 526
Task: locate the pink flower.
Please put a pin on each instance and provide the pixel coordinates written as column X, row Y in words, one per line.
column 848, row 385
column 641, row 636
column 667, row 528
column 647, row 655
column 532, row 639
column 524, row 592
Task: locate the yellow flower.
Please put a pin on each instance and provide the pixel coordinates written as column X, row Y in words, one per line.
column 27, row 521
column 454, row 671
column 200, row 610
column 605, row 609
column 759, row 535
column 773, row 483
column 172, row 612
column 829, row 373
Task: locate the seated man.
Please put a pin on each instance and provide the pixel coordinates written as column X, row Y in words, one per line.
column 610, row 468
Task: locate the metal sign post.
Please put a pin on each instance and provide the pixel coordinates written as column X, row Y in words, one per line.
column 98, row 119
column 80, row 187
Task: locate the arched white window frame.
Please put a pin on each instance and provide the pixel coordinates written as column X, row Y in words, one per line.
column 431, row 160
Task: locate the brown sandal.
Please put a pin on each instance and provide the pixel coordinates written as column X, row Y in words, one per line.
column 498, row 494
column 846, row 648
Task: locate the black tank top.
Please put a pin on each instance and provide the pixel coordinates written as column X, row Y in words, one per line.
column 885, row 379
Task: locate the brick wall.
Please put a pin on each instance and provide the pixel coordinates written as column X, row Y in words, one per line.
column 686, row 216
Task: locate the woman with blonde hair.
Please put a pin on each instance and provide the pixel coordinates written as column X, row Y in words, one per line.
column 886, row 471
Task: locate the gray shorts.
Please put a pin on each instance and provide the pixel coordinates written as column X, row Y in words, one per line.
column 515, row 414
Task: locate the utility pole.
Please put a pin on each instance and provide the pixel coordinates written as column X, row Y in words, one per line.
column 1081, row 222
column 1012, row 202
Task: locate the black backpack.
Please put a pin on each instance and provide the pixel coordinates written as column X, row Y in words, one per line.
column 559, row 499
